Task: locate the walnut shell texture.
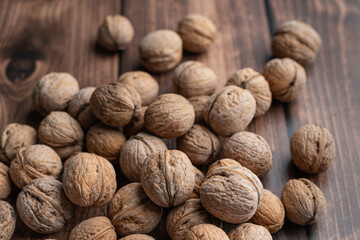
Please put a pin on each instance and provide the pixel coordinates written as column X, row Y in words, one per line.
column 5, row 183
column 96, row 228
column 199, row 179
column 198, row 103
column 136, row 125
column 249, row 231
column 206, row 232
column 7, row 220
column 137, row 237
column 225, row 162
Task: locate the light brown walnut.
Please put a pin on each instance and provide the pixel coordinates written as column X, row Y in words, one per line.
column 198, row 103
column 249, row 231
column 136, row 125
column 225, row 162
column 206, row 232
column 199, row 179
column 137, row 237
column 96, row 228
column 5, row 183
column 7, row 220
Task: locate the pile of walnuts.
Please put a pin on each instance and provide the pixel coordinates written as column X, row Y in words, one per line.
column 70, row 160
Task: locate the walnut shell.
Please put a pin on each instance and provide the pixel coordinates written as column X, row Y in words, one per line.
column 231, row 194
column 105, row 141
column 199, row 179
column 33, row 162
column 250, row 150
column 7, row 220
column 136, row 150
column 253, row 81
column 312, row 148
column 137, row 237
column 168, row 178
column 115, row 104
column 197, row 32
column 5, row 183
column 131, row 211
column 136, row 125
column 54, row 91
column 198, row 103
column 62, row 133
column 13, row 137
column 89, row 180
column 42, row 206
column 229, row 110
column 161, row 50
column 303, row 201
column 296, row 40
column 226, row 162
column 249, row 231
column 206, row 232
column 286, row 77
column 200, row 144
column 169, row 116
column 96, row 228
column 193, row 78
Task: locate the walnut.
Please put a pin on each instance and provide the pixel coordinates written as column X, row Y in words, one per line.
column 168, row 178
column 312, row 148
column 131, row 211
column 62, row 133
column 194, row 78
column 94, row 228
column 136, row 150
column 249, row 231
column 198, row 103
column 250, row 150
column 35, row 161
column 136, row 125
column 200, row 144
column 229, row 110
column 89, row 180
column 7, row 220
column 303, row 201
column 13, row 137
column 137, row 237
column 199, row 179
column 5, row 183
column 253, row 81
column 206, row 232
column 169, row 116
column 226, row 162
column 43, row 206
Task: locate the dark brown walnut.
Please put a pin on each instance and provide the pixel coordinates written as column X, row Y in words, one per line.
column 183, row 217
column 168, row 178
column 225, row 162
column 13, row 137
column 198, row 103
column 115, row 104
column 312, row 148
column 136, row 125
column 5, row 183
column 131, row 211
column 43, row 207
column 249, row 231
column 105, row 141
column 33, row 162
column 193, row 78
column 7, row 220
column 137, row 237
column 232, row 194
column 54, row 91
column 200, row 144
column 303, row 201
column 229, row 110
column 136, row 150
column 169, row 116
column 89, row 180
column 206, row 232
column 250, row 150
column 296, row 40
column 286, row 78
column 199, row 179
column 62, row 133
column 96, row 228
column 253, row 81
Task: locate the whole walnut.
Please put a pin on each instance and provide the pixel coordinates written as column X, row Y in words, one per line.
column 169, row 116
column 229, row 110
column 136, row 125
column 198, row 103
column 89, row 180
column 194, row 78
column 188, row 214
column 62, row 133
column 197, row 32
column 131, row 211
column 168, row 178
column 232, row 194
column 271, row 213
column 96, row 228
column 80, row 110
column 35, row 161
column 161, row 50
column 225, row 162
column 312, row 148
column 296, row 40
column 105, row 141
column 13, row 137
column 54, row 91
column 250, row 150
column 199, row 179
column 137, row 237
column 43, row 207
column 303, row 201
column 5, row 183
column 253, row 81
column 200, row 144
column 7, row 220
column 206, row 232
column 249, row 231
column 286, row 77
column 143, row 83
column 136, row 150
column 115, row 33
column 115, row 104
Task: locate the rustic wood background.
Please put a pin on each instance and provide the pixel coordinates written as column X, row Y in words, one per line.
column 38, row 36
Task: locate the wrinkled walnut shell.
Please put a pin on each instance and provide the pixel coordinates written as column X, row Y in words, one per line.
column 136, row 125
column 206, row 232
column 198, row 103
column 137, row 237
column 226, row 162
column 95, row 228
column 249, row 231
column 7, row 220
column 5, row 183
column 199, row 179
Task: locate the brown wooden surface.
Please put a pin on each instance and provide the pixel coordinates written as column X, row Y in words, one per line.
column 39, row 36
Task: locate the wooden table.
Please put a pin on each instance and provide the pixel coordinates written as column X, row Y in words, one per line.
column 38, row 36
